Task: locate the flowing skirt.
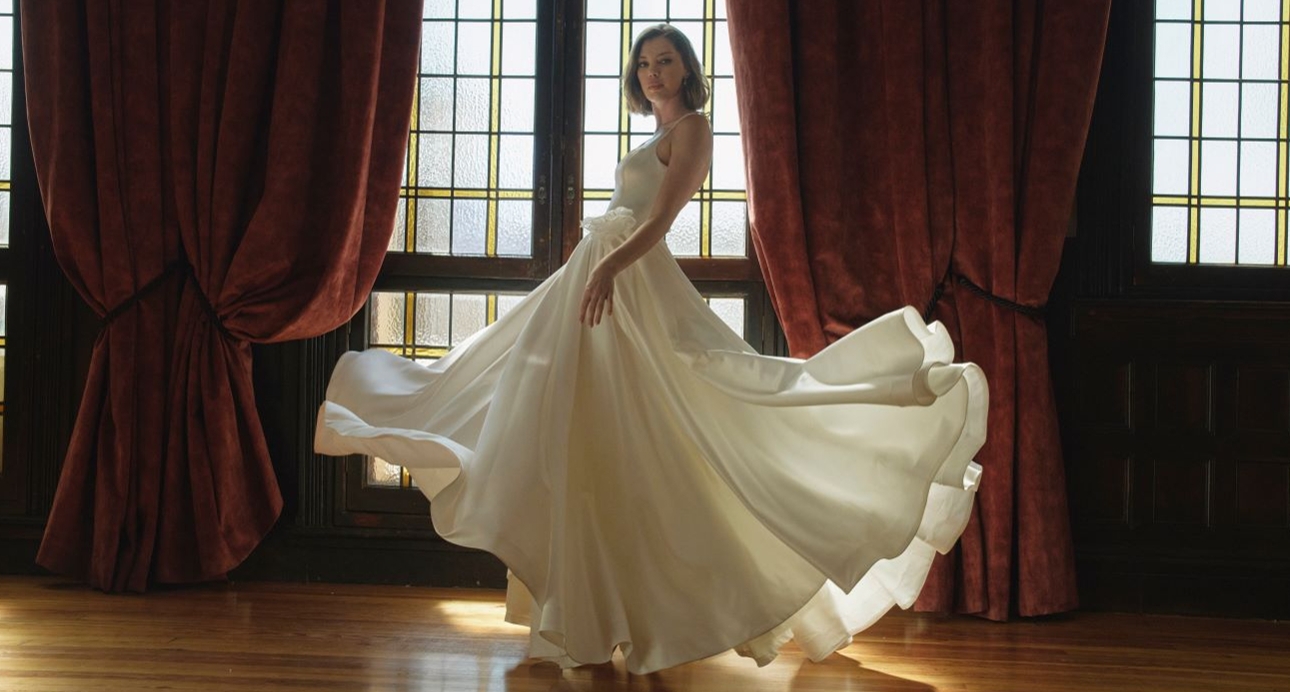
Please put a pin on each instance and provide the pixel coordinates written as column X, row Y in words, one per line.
column 656, row 486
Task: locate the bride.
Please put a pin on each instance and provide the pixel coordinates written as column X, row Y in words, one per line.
column 652, row 484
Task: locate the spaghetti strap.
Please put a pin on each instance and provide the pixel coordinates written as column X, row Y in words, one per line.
column 668, row 128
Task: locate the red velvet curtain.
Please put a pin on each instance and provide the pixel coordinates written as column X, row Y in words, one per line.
column 898, row 146
column 215, row 173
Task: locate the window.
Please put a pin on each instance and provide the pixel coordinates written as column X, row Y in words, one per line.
column 510, row 147
column 1219, row 133
column 7, row 34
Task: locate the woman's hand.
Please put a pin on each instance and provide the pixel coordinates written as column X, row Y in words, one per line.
column 598, row 297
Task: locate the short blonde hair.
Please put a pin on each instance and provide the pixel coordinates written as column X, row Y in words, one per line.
column 695, row 90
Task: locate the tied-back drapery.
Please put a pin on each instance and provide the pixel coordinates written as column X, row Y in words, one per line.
column 215, row 173
column 925, row 153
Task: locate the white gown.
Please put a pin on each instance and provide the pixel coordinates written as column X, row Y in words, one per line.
column 655, row 485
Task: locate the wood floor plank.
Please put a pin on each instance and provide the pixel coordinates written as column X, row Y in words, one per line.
column 56, row 636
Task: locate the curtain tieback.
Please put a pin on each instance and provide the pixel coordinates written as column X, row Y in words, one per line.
column 179, row 266
column 1032, row 311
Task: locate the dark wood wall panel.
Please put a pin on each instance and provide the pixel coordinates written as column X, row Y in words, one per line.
column 1177, row 435
column 1262, row 494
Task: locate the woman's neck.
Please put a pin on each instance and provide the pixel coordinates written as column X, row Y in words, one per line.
column 667, row 113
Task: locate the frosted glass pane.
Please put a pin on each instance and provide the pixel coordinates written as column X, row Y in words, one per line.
column 439, row 9
column 6, row 155
column 649, row 9
column 1258, row 169
column 519, row 48
column 1262, row 10
column 1222, row 10
column 636, row 141
column 506, row 303
column 434, row 161
column 729, row 229
column 1173, row 109
column 469, row 225
column 516, row 162
column 1258, row 236
column 1173, row 50
column 1259, row 110
column 4, row 312
column 604, row 55
column 1260, row 51
column 723, row 59
column 480, row 9
column 517, row 104
column 725, row 106
column 683, row 239
column 604, row 9
column 6, row 98
column 686, row 9
column 4, row 230
column 1169, row 234
column 1222, row 48
column 472, row 105
column 432, row 319
column 437, row 43
column 599, row 158
column 399, row 237
column 600, row 105
column 385, row 312
column 436, row 104
column 1217, row 236
column 519, row 9
column 1218, row 116
column 475, row 52
column 6, row 43
column 727, row 163
column 731, row 311
column 381, row 472
column 6, row 6
column 469, row 315
column 1218, row 168
column 1170, row 167
column 441, row 319
column 515, row 228
column 434, row 218
column 470, row 167
column 1173, row 9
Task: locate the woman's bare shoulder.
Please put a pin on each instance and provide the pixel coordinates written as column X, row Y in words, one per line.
column 693, row 132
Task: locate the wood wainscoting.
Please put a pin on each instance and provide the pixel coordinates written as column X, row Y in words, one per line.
column 1176, row 427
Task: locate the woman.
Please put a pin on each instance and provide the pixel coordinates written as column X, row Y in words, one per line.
column 652, row 484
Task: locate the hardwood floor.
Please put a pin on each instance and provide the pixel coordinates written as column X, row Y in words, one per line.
column 267, row 636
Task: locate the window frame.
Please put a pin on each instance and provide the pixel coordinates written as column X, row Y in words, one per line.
column 1114, row 207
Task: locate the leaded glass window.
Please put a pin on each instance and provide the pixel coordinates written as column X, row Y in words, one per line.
column 7, row 28
column 468, row 178
column 1219, row 128
column 715, row 223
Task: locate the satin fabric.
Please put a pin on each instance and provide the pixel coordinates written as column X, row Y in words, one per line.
column 655, row 485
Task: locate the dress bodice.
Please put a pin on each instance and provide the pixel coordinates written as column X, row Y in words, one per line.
column 640, row 174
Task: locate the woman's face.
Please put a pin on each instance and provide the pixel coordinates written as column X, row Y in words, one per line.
column 660, row 70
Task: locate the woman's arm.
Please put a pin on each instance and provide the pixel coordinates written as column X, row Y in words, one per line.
column 691, row 153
